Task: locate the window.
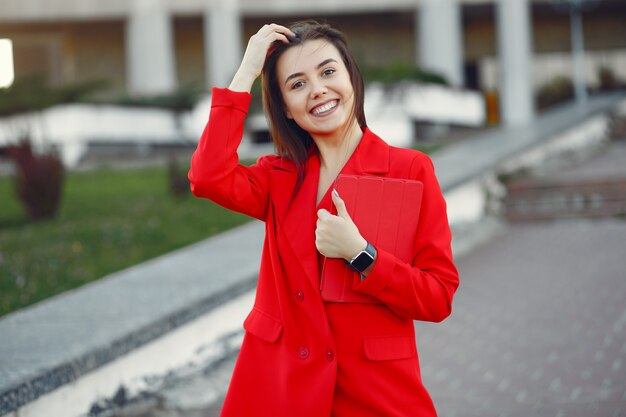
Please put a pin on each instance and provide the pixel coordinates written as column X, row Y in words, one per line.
column 7, row 74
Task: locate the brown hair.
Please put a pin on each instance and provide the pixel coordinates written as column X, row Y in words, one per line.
column 291, row 140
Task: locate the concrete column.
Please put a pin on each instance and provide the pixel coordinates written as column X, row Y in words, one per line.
column 440, row 38
column 150, row 53
column 222, row 41
column 514, row 32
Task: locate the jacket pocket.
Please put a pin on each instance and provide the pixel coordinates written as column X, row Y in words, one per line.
column 385, row 348
column 263, row 325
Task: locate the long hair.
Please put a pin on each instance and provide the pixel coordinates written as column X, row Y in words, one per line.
column 290, row 140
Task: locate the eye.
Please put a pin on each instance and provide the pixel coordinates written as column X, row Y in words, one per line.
column 329, row 71
column 297, row 85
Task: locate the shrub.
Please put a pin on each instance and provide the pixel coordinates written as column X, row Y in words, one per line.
column 39, row 180
column 32, row 93
column 555, row 91
column 183, row 98
column 39, row 177
column 177, row 179
column 608, row 80
column 401, row 71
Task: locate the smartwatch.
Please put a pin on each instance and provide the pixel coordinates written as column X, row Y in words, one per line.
column 363, row 259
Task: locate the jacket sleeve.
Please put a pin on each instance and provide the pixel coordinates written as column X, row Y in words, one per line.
column 215, row 171
column 422, row 290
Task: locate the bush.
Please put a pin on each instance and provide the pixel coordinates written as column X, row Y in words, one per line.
column 608, row 80
column 555, row 91
column 31, row 93
column 182, row 99
column 39, row 180
column 177, row 179
column 401, row 71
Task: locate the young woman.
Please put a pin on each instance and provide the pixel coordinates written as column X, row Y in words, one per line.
column 303, row 355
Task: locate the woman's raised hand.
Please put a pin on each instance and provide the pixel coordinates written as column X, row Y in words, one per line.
column 256, row 52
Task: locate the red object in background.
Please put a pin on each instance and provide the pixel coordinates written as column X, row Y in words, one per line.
column 39, row 180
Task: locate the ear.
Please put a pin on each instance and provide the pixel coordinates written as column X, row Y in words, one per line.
column 288, row 114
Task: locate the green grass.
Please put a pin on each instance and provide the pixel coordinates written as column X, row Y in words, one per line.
column 108, row 220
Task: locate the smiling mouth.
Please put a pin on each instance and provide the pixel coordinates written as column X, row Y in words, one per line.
column 325, row 108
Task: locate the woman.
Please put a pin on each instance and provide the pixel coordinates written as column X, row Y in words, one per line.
column 302, row 355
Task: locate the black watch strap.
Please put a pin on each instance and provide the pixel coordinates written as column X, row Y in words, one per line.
column 363, row 259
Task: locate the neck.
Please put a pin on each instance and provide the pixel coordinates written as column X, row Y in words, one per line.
column 335, row 149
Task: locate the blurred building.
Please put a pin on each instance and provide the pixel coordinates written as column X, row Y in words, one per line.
column 152, row 46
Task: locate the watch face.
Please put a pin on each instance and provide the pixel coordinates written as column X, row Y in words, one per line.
column 362, row 261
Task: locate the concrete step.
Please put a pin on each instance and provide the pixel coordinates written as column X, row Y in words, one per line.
column 532, row 200
column 589, row 185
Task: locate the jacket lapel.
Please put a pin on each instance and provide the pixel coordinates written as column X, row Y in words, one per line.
column 373, row 155
column 298, row 221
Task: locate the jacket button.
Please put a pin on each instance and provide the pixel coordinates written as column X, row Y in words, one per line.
column 300, row 295
column 303, row 353
column 330, row 355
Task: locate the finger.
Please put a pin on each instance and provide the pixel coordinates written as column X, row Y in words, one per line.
column 340, row 204
column 281, row 37
column 265, row 40
column 273, row 40
column 320, row 248
column 280, row 28
column 323, row 214
column 319, row 241
column 274, row 28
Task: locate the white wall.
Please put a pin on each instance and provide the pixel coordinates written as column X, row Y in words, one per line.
column 548, row 65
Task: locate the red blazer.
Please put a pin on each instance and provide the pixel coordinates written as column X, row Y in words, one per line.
column 302, row 357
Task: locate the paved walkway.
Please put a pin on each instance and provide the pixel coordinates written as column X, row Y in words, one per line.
column 538, row 328
column 539, row 323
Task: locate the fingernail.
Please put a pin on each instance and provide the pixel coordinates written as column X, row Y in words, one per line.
column 335, row 193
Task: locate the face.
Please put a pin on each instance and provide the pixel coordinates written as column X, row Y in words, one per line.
column 316, row 88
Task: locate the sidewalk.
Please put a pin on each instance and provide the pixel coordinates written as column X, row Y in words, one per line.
column 539, row 322
column 538, row 328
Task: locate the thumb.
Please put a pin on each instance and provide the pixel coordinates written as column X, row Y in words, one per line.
column 340, row 204
column 323, row 214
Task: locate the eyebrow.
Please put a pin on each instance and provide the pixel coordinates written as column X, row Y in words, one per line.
column 320, row 65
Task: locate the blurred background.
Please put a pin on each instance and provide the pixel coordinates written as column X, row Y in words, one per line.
column 520, row 103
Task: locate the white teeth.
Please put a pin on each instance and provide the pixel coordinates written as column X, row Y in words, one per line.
column 326, row 107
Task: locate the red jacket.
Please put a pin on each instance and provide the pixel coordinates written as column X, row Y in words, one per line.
column 302, row 357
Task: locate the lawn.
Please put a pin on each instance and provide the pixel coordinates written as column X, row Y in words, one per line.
column 108, row 220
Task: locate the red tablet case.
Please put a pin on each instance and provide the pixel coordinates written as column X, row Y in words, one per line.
column 386, row 211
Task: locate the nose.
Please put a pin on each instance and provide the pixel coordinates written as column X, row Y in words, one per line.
column 318, row 89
